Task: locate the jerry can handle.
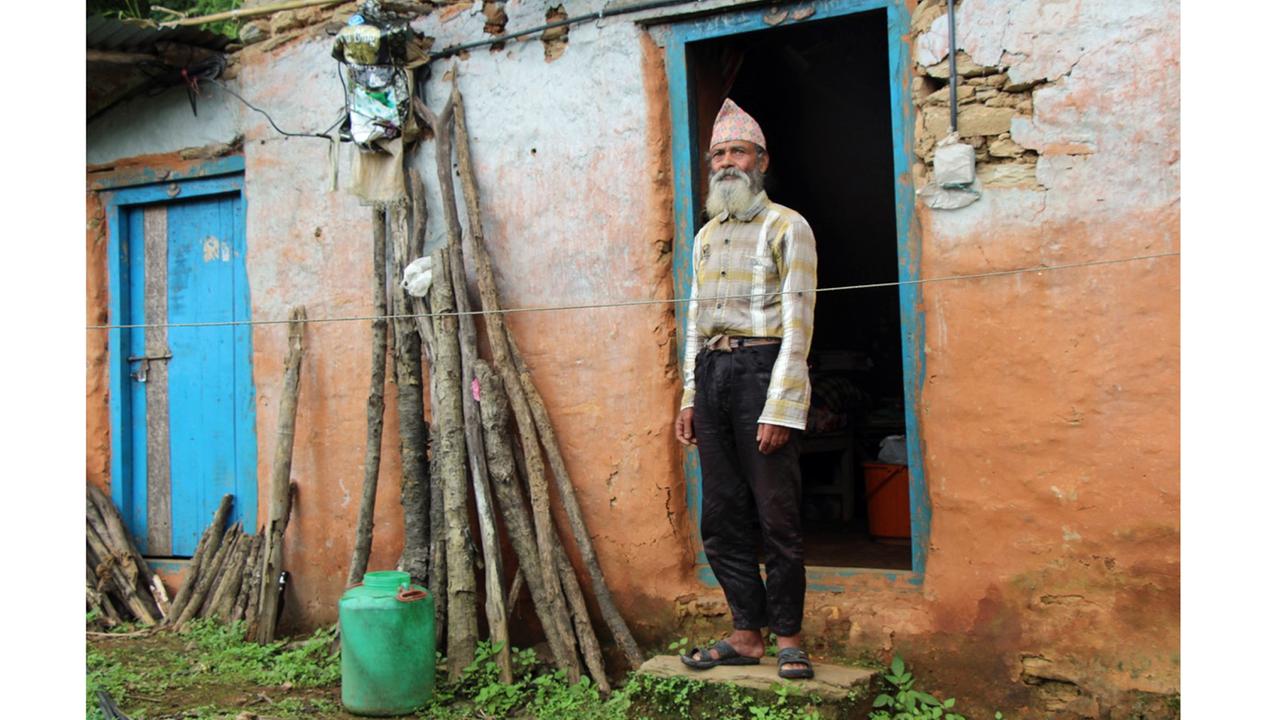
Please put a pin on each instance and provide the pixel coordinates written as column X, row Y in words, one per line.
column 406, row 595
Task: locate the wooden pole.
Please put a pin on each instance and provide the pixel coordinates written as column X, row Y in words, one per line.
column 494, row 605
column 446, row 375
column 495, row 329
column 437, row 571
column 236, row 545
column 223, row 599
column 251, row 561
column 581, row 620
column 255, row 588
column 375, row 407
column 243, row 13
column 496, row 416
column 118, row 537
column 414, row 488
column 529, row 406
column 278, row 509
column 108, row 564
column 205, row 550
column 214, row 568
column 569, row 500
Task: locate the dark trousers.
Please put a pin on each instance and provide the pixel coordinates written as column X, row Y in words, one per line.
column 748, row 498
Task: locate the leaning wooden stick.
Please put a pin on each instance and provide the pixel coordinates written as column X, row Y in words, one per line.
column 569, row 500
column 494, row 607
column 206, row 579
column 106, row 563
column 208, row 546
column 446, row 377
column 415, row 476
column 376, row 406
column 119, row 538
column 531, row 413
column 496, row 415
column 495, row 329
column 581, row 619
column 278, row 509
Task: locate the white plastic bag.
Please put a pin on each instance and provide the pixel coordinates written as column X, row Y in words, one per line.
column 417, row 277
column 953, row 163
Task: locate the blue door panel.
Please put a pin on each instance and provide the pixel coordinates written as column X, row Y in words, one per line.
column 202, row 408
column 212, row 444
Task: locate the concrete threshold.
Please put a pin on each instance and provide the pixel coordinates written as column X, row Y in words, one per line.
column 830, row 682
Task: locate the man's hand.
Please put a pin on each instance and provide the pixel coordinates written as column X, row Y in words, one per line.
column 684, row 427
column 771, row 437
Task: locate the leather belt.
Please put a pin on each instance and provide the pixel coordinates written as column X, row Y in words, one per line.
column 725, row 343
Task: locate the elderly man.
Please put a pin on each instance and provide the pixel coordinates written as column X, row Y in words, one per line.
column 746, row 395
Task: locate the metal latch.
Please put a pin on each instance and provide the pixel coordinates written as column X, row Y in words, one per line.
column 141, row 374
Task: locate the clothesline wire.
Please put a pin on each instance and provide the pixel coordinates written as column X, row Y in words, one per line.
column 657, row 301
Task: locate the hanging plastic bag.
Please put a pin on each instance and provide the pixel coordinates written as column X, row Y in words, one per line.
column 417, row 277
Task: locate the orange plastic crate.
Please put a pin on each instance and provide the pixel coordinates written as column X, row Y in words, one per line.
column 888, row 500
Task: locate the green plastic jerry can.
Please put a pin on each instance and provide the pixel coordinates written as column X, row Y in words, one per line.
column 388, row 645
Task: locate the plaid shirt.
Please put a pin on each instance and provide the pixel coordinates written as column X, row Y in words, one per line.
column 767, row 249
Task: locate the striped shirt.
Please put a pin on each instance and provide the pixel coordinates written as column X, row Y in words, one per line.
column 765, row 250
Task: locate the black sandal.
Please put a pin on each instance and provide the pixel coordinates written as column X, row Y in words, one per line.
column 728, row 656
column 798, row 656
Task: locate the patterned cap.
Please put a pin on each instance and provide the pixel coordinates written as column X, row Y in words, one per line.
column 733, row 123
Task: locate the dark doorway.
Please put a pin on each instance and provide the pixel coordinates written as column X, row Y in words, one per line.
column 820, row 91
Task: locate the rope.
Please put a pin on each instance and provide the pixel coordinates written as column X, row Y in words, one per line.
column 634, row 303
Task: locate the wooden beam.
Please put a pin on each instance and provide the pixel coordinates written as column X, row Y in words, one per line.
column 248, row 12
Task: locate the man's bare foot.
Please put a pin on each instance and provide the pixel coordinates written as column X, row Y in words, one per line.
column 790, row 641
column 747, row 643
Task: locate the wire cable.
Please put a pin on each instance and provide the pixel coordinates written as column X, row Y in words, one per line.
column 325, row 135
column 634, row 303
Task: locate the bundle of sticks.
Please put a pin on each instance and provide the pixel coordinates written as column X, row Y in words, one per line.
column 225, row 577
column 473, row 402
column 119, row 585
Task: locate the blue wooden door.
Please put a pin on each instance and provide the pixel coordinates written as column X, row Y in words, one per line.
column 186, row 415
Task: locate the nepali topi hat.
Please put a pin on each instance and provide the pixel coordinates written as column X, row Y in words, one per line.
column 733, row 123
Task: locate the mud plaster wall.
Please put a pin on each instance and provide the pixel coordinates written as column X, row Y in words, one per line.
column 575, row 189
column 1050, row 406
column 1049, row 414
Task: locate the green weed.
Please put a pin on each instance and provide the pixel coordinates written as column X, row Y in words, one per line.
column 904, row 702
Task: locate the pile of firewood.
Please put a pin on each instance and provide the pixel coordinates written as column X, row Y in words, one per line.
column 492, row 445
column 119, row 585
column 232, row 576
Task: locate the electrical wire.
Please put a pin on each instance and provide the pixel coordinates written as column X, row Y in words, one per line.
column 634, row 303
column 325, row 135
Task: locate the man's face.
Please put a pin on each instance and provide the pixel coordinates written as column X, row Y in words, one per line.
column 739, row 154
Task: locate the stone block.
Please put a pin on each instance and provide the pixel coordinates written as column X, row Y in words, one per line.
column 983, row 120
column 1005, row 148
column 937, row 120
column 1002, row 99
column 285, row 21
column 1009, row 174
column 943, row 96
column 965, row 67
column 252, row 32
column 832, row 683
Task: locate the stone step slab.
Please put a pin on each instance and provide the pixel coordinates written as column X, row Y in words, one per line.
column 832, row 683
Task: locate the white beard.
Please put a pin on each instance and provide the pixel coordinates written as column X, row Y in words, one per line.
column 733, row 191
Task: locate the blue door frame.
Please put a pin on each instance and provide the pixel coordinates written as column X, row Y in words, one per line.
column 733, row 22
column 122, row 195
